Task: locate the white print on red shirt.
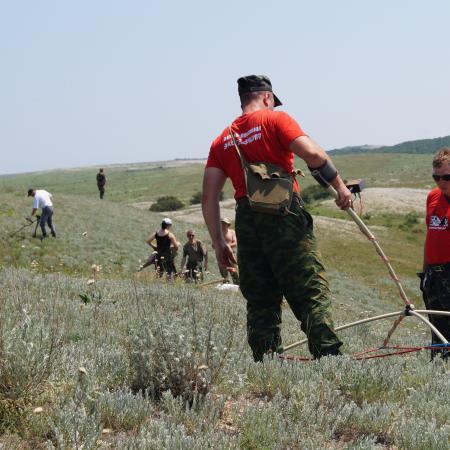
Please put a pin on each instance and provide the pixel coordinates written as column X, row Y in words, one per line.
column 436, row 223
column 254, row 134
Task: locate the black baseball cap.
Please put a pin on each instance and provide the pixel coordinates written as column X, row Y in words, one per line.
column 255, row 83
column 30, row 192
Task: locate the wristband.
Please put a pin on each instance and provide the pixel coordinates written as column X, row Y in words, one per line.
column 325, row 173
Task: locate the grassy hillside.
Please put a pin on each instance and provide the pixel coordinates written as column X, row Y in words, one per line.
column 146, row 182
column 137, row 182
column 138, row 363
column 153, row 366
column 421, row 146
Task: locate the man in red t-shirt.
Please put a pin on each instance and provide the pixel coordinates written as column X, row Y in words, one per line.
column 277, row 255
column 435, row 279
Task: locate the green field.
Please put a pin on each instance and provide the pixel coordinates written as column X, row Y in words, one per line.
column 137, row 363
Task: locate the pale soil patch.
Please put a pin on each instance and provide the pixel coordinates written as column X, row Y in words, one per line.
column 341, row 227
column 399, row 200
column 323, row 225
column 142, row 205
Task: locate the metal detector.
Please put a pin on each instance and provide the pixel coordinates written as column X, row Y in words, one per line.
column 28, row 224
column 409, row 309
column 38, row 220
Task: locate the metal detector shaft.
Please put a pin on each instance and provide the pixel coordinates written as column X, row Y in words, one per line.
column 36, row 227
column 209, row 283
column 21, row 228
column 362, row 226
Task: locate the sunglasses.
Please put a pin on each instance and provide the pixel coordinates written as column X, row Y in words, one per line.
column 445, row 177
column 191, row 235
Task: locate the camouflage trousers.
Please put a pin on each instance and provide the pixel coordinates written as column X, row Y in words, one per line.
column 277, row 257
column 437, row 296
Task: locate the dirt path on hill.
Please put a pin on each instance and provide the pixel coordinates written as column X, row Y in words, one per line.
column 399, row 200
column 375, row 200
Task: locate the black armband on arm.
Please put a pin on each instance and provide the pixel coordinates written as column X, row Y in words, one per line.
column 325, row 173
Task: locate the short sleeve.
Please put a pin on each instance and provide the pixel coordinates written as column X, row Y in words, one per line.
column 185, row 250
column 213, row 161
column 287, row 128
column 35, row 202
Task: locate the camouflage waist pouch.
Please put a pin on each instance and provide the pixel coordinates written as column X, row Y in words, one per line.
column 269, row 187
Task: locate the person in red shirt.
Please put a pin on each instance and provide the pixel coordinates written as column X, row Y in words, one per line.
column 277, row 254
column 435, row 278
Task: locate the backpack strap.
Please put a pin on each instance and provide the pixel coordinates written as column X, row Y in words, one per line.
column 241, row 157
column 236, row 146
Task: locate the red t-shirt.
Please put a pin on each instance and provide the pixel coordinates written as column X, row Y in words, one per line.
column 437, row 243
column 263, row 135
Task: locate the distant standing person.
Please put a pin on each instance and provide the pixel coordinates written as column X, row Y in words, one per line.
column 43, row 199
column 230, row 238
column 435, row 279
column 166, row 246
column 101, row 182
column 195, row 253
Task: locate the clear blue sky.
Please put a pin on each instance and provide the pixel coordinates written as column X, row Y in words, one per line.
column 98, row 82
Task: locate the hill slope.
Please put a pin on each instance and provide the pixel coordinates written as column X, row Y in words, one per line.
column 138, row 363
column 421, row 146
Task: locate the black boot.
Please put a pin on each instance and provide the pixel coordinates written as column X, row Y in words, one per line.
column 329, row 351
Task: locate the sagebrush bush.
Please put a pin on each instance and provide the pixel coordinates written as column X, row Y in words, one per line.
column 197, row 197
column 167, row 366
column 29, row 352
column 178, row 357
column 314, row 192
column 167, row 203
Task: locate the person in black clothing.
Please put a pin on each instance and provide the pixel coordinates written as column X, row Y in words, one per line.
column 166, row 246
column 101, row 181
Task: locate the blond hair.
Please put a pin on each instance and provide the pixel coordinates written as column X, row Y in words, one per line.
column 441, row 156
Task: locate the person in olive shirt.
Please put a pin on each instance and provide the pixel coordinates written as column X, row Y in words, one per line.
column 195, row 253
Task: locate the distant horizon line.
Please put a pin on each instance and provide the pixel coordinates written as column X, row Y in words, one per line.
column 194, row 160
